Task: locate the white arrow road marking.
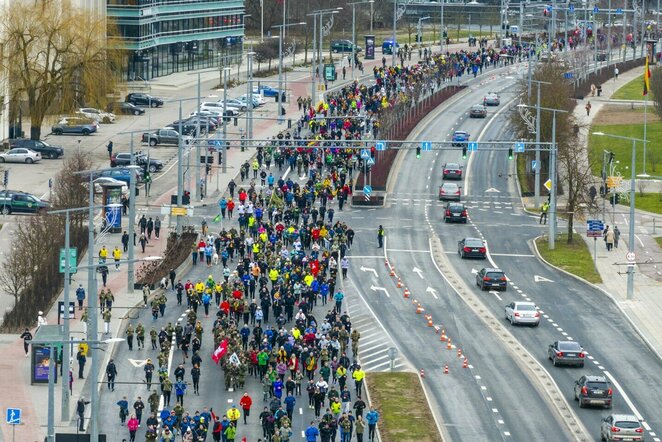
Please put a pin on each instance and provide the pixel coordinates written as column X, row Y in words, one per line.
column 495, row 293
column 137, row 362
column 418, row 271
column 537, row 278
column 432, row 291
column 368, row 269
column 492, row 190
column 381, row 289
column 474, row 271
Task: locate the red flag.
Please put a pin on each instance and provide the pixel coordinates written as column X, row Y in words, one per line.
column 220, row 351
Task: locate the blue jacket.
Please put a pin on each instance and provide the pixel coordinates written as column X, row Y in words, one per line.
column 290, row 401
column 311, row 434
column 180, row 388
column 372, row 417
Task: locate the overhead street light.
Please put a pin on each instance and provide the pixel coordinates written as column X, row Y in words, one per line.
column 315, row 64
column 631, row 237
column 370, row 2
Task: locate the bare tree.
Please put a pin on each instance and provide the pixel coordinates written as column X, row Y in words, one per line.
column 16, row 274
column 56, row 57
column 656, row 89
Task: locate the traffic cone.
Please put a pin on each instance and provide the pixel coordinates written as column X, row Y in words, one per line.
column 449, row 346
column 422, row 373
column 392, row 273
column 386, row 263
column 407, row 293
column 399, row 283
column 430, row 321
column 446, row 369
column 465, row 364
column 419, row 309
column 459, row 352
column 443, row 335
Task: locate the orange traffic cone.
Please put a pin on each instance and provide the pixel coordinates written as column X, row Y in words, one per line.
column 459, row 352
column 392, row 273
column 419, row 309
column 430, row 321
column 422, row 373
column 449, row 346
column 446, row 369
column 443, row 335
column 407, row 293
column 399, row 283
column 465, row 364
column 386, row 263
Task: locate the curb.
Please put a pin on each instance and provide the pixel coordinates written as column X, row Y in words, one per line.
column 644, row 338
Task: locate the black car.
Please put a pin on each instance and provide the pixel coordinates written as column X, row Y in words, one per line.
column 46, row 150
column 593, row 390
column 141, row 99
column 207, row 124
column 488, row 278
column 122, row 107
column 471, row 248
column 455, row 212
column 124, row 159
column 188, row 128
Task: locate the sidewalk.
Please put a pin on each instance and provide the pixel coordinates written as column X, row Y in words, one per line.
column 645, row 309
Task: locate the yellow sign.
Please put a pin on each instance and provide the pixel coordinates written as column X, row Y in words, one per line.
column 548, row 185
column 614, row 181
column 178, row 211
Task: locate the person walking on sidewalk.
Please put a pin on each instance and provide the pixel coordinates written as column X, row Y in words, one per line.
column 543, row 213
column 133, row 425
column 27, row 337
column 372, row 418
column 588, row 108
column 609, row 239
column 80, row 296
column 82, row 359
column 124, row 409
column 80, row 410
column 111, row 373
column 617, row 236
column 117, row 256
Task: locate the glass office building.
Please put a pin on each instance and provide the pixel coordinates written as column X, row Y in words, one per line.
column 165, row 36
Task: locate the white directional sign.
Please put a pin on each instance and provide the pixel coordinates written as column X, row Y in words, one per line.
column 380, row 145
column 379, row 289
column 418, row 271
column 492, row 190
column 368, row 269
column 138, row 362
column 432, row 291
column 426, row 145
column 370, row 162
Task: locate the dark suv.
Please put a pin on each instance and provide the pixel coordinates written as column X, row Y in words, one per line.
column 488, row 278
column 46, row 150
column 124, row 159
column 593, row 390
column 455, row 212
column 140, row 99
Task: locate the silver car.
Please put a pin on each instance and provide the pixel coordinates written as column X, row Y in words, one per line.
column 621, row 427
column 449, row 192
column 491, row 99
column 566, row 353
column 522, row 312
column 20, row 155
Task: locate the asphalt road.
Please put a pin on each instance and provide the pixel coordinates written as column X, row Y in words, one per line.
column 485, row 401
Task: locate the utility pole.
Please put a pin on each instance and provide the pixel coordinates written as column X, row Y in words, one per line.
column 198, row 190
column 132, row 218
column 92, row 331
column 180, row 173
column 66, row 353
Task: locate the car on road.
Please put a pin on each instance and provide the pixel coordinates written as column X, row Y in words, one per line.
column 100, row 182
column 124, row 159
column 449, row 192
column 75, row 125
column 478, row 111
column 522, row 312
column 489, row 278
column 460, row 138
column 141, row 99
column 566, row 353
column 593, row 390
column 20, row 155
column 46, row 150
column 122, row 107
column 266, row 90
column 97, row 115
column 455, row 212
column 344, row 46
column 471, row 248
column 621, row 427
column 13, row 201
column 491, row 99
column 452, row 171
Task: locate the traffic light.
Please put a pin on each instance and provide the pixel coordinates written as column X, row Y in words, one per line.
column 208, row 168
column 464, row 153
column 510, row 153
column 418, row 152
column 146, row 176
column 615, row 198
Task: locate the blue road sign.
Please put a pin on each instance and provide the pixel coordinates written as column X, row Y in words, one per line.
column 571, row 8
column 595, row 224
column 370, row 162
column 534, row 165
column 367, row 190
column 519, row 147
column 568, row 75
column 14, row 416
column 596, row 10
column 472, row 146
column 426, row 145
column 380, row 145
column 619, row 10
column 365, row 154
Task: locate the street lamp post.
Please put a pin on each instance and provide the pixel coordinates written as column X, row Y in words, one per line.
column 371, row 2
column 281, row 93
column 442, row 40
column 315, row 68
column 419, row 28
column 631, row 238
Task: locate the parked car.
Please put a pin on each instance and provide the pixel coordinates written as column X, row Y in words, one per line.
column 20, row 155
column 387, row 47
column 452, row 171
column 234, row 104
column 266, row 90
column 100, row 182
column 217, row 106
column 141, row 99
column 46, row 150
column 344, row 46
column 449, row 191
column 123, row 174
column 621, row 427
column 12, row 201
column 75, row 125
column 489, row 278
column 491, row 99
column 593, row 390
column 97, row 115
column 125, row 108
column 478, row 111
column 455, row 212
column 566, row 353
column 471, row 248
column 167, row 135
column 124, row 159
column 189, row 128
column 214, row 116
column 255, row 102
column 522, row 312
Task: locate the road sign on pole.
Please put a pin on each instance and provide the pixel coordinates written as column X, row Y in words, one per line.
column 472, row 146
column 596, row 10
column 571, row 8
column 548, row 185
column 367, row 190
column 370, row 162
column 619, row 10
column 14, row 416
column 630, row 256
column 594, row 228
column 73, row 260
column 519, row 147
column 426, row 145
column 380, row 145
column 534, row 165
column 365, row 154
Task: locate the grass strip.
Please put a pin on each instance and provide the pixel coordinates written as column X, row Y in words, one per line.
column 574, row 258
